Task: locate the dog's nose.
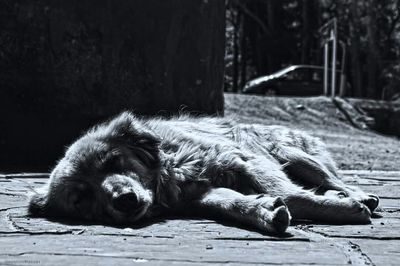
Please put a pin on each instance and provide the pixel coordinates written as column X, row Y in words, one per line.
column 126, row 202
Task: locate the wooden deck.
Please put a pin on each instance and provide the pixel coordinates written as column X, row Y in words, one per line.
column 27, row 241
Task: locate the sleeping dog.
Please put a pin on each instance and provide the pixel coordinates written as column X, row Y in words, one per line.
column 262, row 176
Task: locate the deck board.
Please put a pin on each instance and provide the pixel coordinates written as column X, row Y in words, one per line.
column 28, row 241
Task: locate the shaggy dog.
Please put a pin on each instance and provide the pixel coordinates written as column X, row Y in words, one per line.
column 262, row 176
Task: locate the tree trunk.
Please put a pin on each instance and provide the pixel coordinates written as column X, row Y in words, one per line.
column 355, row 50
column 373, row 59
column 270, row 46
column 235, row 74
column 68, row 64
column 306, row 31
column 243, row 53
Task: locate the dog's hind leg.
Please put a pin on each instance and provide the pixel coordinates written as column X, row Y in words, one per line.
column 319, row 173
column 263, row 212
column 304, row 204
column 307, row 170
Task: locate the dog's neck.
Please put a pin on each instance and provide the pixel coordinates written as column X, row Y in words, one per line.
column 172, row 185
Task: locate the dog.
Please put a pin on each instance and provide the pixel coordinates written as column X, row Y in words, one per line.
column 129, row 169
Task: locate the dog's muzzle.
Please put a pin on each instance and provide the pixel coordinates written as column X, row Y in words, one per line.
column 128, row 203
column 128, row 200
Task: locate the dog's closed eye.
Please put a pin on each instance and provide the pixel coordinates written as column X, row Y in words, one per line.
column 113, row 163
column 144, row 155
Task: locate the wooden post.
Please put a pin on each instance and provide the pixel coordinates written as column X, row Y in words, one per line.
column 334, row 45
column 326, row 55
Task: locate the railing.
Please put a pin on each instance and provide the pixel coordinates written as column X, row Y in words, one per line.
column 329, row 36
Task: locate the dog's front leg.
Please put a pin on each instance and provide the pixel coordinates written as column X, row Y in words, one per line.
column 263, row 212
column 328, row 209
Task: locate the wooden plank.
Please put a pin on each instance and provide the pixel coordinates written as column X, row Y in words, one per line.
column 20, row 186
column 378, row 177
column 380, row 252
column 385, row 228
column 182, row 249
column 11, row 201
column 16, row 198
column 25, row 175
column 196, row 242
column 368, row 173
column 169, row 228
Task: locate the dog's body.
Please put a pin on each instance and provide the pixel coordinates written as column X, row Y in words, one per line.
column 259, row 175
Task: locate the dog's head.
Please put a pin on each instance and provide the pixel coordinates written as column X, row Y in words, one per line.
column 107, row 175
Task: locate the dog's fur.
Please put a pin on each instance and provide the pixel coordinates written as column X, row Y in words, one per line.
column 262, row 176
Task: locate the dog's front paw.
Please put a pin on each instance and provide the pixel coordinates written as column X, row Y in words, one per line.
column 369, row 200
column 353, row 211
column 272, row 215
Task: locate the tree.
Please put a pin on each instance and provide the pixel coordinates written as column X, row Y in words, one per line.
column 280, row 33
column 73, row 63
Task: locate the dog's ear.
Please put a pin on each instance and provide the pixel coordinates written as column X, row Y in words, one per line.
column 137, row 137
column 37, row 204
column 167, row 189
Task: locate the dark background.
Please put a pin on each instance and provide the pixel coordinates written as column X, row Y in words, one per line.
column 66, row 65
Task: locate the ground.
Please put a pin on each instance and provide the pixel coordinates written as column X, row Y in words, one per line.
column 365, row 158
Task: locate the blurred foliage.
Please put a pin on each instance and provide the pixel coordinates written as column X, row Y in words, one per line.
column 265, row 36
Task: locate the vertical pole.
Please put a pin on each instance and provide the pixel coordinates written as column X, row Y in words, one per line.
column 334, row 43
column 326, row 48
column 342, row 90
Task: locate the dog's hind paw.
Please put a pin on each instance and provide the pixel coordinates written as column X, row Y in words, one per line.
column 371, row 201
